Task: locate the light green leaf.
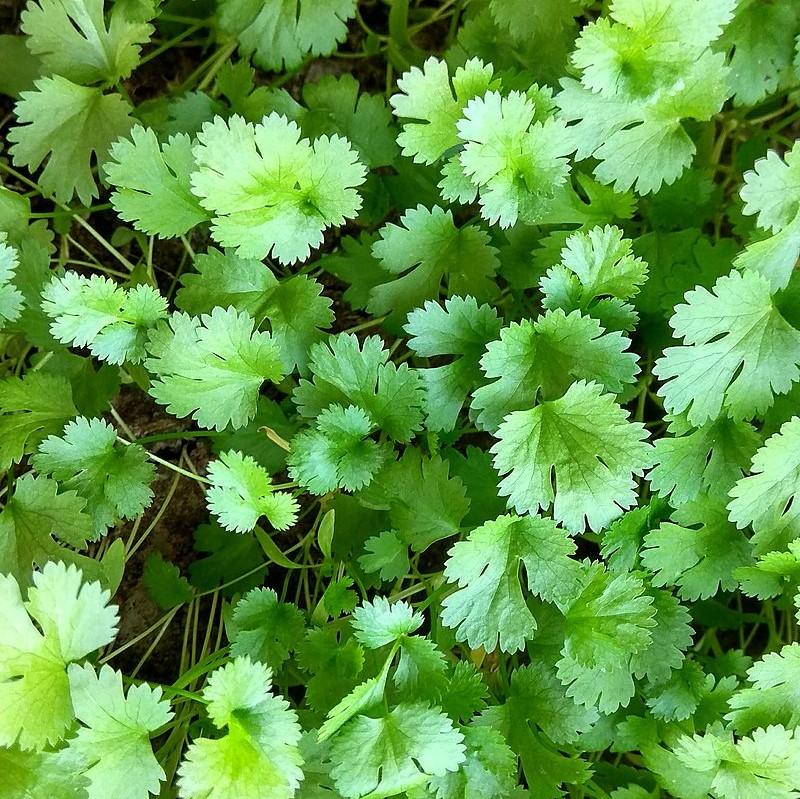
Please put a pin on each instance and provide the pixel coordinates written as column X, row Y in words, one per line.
column 114, row 739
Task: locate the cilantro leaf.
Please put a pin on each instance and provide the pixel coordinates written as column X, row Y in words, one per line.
column 74, row 40
column 113, row 478
column 395, row 752
column 297, row 310
column 114, row 741
column 539, row 360
column 75, row 619
column 224, row 279
column 641, row 75
column 424, row 503
column 578, row 453
column 425, row 249
column 32, row 518
column 767, row 498
column 489, row 607
column 67, row 124
column 771, row 191
column 433, row 103
column 461, row 328
column 11, row 298
column 280, row 192
column 537, row 693
column 95, row 312
column 761, row 38
column 31, row 408
column 164, row 582
column 279, row 34
column 295, row 307
column 708, row 459
column 764, row 765
column 607, row 623
column 241, row 492
column 258, row 752
column 699, row 553
column 338, row 452
column 265, row 629
column 597, row 274
column 773, row 694
column 335, row 106
column 151, row 183
column 738, row 351
column 345, row 372
column 489, row 769
column 671, row 636
column 211, row 367
column 380, row 622
column 515, row 159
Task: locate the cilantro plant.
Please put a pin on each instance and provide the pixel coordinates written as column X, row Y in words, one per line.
column 400, row 398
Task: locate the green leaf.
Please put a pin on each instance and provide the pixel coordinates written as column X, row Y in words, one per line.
column 232, row 559
column 333, row 665
column 31, row 408
column 279, row 34
column 335, row 106
column 607, row 623
column 461, row 328
column 73, row 39
column 579, row 454
column 67, row 125
column 241, row 493
column 773, row 695
column 297, row 310
column 489, row 608
column 224, row 279
column 767, row 499
column 301, row 188
column 395, row 752
column 97, row 313
column 75, row 619
column 708, row 459
column 113, row 478
column 641, row 75
column 151, row 183
column 211, row 367
column 35, row 521
column 337, row 453
column 762, row 39
column 765, row 765
column 346, row 372
column 380, row 622
column 699, row 554
column 671, row 637
column 386, row 553
column 11, row 298
column 165, row 584
column 424, row 502
column 425, row 249
column 738, row 351
column 294, row 307
column 265, row 629
column 771, row 190
column 597, row 274
column 258, row 753
column 539, row 360
column 514, row 155
column 433, row 103
column 489, row 770
column 114, row 739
